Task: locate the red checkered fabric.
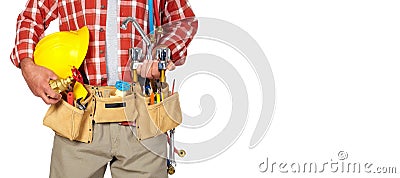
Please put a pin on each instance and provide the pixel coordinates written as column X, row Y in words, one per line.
column 74, row 14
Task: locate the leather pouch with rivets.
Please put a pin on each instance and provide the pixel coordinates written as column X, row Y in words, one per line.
column 70, row 122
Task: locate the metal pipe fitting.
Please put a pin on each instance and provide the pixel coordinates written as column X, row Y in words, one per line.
column 135, row 54
column 124, row 26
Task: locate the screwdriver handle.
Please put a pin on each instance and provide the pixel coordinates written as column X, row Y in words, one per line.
column 70, row 98
column 158, row 98
column 162, row 77
column 135, row 76
column 151, row 98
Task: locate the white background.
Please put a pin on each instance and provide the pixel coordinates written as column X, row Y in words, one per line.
column 335, row 65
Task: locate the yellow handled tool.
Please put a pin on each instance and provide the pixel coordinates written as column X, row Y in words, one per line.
column 163, row 55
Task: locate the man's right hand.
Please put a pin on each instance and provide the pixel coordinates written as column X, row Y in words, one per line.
column 37, row 78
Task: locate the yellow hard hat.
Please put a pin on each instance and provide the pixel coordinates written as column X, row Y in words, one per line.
column 61, row 51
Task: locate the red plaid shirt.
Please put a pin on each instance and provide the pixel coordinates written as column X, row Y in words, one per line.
column 74, row 14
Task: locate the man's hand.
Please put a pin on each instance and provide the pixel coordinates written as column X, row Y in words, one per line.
column 149, row 69
column 37, row 78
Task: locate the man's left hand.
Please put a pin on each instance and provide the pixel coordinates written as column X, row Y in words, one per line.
column 150, row 70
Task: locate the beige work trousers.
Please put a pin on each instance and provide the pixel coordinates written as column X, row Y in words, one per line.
column 114, row 144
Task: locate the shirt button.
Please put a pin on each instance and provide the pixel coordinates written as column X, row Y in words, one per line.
column 101, row 29
column 101, row 51
column 103, row 6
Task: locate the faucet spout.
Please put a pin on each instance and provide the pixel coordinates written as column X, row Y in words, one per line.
column 124, row 26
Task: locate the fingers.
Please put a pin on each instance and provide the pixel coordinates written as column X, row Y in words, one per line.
column 139, row 69
column 37, row 78
column 143, row 71
column 48, row 99
column 154, row 70
column 49, row 96
column 52, row 94
column 171, row 66
column 148, row 70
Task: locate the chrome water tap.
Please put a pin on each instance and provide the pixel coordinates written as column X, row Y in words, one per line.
column 146, row 39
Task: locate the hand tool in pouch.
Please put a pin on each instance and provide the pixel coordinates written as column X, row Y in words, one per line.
column 163, row 56
column 70, row 98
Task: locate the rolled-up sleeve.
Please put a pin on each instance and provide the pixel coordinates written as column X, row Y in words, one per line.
column 31, row 24
column 180, row 27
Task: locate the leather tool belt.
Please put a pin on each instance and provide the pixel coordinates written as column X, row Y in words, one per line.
column 102, row 106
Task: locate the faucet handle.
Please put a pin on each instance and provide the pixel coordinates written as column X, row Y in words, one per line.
column 135, row 54
column 164, row 54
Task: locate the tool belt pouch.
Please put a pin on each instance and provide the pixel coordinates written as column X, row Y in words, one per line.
column 68, row 121
column 115, row 109
column 157, row 119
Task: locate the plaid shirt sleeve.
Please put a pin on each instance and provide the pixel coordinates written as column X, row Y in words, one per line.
column 31, row 24
column 181, row 34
